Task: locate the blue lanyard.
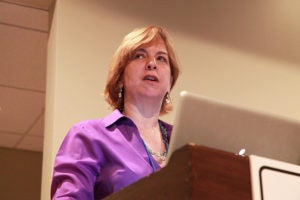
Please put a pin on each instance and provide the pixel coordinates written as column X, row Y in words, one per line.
column 149, row 157
column 166, row 143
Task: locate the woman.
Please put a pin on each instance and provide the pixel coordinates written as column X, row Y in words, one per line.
column 99, row 157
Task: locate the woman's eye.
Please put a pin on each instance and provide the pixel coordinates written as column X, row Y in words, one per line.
column 138, row 56
column 162, row 59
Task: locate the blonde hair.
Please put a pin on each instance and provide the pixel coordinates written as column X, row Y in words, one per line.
column 123, row 55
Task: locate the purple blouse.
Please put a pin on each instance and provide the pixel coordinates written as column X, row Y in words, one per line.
column 99, row 157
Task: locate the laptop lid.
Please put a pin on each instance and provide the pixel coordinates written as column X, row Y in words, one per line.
column 212, row 123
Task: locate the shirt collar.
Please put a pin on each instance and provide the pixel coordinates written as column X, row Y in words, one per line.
column 112, row 118
column 168, row 128
column 116, row 115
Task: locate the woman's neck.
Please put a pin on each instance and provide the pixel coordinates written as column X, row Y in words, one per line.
column 143, row 117
column 147, row 123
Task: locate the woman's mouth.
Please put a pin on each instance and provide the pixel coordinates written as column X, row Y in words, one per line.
column 150, row 78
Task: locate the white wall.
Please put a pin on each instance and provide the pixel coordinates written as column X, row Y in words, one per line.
column 224, row 50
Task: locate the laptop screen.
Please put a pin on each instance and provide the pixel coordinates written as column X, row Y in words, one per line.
column 212, row 123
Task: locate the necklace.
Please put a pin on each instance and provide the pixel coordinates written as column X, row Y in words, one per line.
column 161, row 156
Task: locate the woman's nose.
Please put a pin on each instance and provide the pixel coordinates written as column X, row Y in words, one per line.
column 151, row 65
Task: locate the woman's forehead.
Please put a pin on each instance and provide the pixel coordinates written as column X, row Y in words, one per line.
column 157, row 42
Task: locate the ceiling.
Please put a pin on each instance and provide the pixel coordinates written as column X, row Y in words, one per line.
column 23, row 51
column 40, row 4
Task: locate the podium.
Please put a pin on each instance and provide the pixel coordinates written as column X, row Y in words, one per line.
column 194, row 172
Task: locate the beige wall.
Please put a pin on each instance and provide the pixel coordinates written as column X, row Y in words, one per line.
column 243, row 54
column 20, row 173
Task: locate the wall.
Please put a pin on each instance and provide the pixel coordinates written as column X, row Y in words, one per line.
column 20, row 173
column 242, row 53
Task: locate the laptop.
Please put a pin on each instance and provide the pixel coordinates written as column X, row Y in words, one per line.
column 216, row 124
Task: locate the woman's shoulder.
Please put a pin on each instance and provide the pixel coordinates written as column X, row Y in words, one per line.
column 97, row 123
column 87, row 124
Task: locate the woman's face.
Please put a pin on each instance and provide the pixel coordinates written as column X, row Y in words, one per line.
column 148, row 72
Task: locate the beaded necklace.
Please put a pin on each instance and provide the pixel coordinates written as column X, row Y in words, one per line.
column 161, row 155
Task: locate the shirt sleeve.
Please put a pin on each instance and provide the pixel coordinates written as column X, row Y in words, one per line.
column 77, row 165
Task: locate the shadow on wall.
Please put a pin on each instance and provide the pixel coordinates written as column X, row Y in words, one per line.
column 20, row 173
column 268, row 28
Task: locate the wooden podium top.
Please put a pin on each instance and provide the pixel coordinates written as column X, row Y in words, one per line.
column 194, row 172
